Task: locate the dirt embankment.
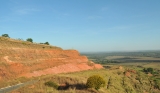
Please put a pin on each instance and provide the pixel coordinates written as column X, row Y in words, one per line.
column 18, row 59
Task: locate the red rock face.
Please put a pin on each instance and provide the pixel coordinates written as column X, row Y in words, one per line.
column 28, row 62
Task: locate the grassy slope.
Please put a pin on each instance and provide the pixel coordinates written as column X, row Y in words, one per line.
column 138, row 82
column 13, row 43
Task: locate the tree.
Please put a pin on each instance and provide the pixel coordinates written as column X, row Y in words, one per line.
column 5, row 35
column 29, row 39
column 95, row 82
column 46, row 43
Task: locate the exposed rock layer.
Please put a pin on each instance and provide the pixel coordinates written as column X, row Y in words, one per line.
column 19, row 58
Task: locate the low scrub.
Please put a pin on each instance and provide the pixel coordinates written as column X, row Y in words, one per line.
column 51, row 84
column 95, row 82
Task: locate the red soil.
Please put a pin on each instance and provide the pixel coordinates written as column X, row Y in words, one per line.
column 18, row 62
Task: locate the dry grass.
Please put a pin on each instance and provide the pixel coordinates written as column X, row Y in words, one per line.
column 116, row 82
column 155, row 65
column 14, row 43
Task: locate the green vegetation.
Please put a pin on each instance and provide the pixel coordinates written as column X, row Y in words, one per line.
column 20, row 39
column 10, row 43
column 139, row 72
column 51, row 84
column 95, row 81
column 127, row 79
column 157, row 83
column 5, row 35
column 47, row 43
column 124, row 57
column 148, row 70
column 29, row 40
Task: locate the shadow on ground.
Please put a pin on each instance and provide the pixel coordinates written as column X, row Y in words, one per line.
column 76, row 86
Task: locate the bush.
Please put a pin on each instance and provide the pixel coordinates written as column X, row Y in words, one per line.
column 29, row 39
column 5, row 35
column 51, row 84
column 46, row 43
column 148, row 70
column 95, row 82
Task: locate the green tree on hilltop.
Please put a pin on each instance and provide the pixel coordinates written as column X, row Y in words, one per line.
column 29, row 40
column 46, row 43
column 5, row 35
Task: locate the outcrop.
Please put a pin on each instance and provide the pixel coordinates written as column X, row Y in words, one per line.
column 24, row 59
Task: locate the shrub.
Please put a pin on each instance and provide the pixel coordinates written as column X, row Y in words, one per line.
column 95, row 81
column 148, row 70
column 5, row 35
column 46, row 43
column 29, row 39
column 51, row 84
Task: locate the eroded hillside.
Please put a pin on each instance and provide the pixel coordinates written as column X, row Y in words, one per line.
column 20, row 58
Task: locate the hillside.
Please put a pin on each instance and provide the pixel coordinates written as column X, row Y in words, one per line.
column 25, row 59
column 119, row 79
column 22, row 62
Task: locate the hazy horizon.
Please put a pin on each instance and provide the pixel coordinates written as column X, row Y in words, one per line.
column 84, row 25
column 119, row 51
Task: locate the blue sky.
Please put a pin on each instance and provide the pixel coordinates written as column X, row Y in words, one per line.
column 84, row 25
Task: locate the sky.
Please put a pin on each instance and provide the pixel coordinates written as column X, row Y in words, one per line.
column 84, row 25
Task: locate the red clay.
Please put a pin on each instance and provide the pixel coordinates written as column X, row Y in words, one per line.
column 18, row 62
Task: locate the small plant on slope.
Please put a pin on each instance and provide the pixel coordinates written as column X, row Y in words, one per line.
column 95, row 82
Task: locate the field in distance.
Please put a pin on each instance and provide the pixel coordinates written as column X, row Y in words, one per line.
column 125, row 57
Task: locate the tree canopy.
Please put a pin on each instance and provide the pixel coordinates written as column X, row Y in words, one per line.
column 5, row 35
column 29, row 40
column 46, row 43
